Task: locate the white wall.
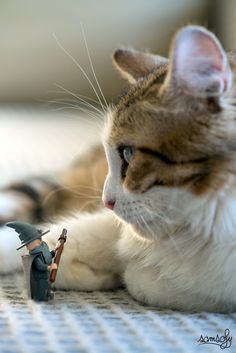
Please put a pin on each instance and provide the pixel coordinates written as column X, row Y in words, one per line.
column 226, row 23
column 31, row 62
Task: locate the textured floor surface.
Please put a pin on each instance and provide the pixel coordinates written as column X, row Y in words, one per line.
column 98, row 322
column 106, row 322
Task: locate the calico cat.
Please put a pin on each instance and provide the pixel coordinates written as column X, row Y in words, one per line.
column 169, row 233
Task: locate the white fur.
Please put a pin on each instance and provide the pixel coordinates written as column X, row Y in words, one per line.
column 10, row 260
column 15, row 204
column 90, row 260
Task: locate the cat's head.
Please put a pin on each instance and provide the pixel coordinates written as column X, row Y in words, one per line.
column 171, row 138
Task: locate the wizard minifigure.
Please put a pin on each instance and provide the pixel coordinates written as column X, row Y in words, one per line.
column 38, row 264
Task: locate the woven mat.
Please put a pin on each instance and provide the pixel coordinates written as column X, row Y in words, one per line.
column 80, row 322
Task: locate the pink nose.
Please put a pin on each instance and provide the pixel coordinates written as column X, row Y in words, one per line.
column 109, row 204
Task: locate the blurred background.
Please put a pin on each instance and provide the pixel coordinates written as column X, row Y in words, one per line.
column 32, row 62
column 43, row 47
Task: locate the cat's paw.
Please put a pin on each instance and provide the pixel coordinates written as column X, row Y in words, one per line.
column 15, row 205
column 10, row 259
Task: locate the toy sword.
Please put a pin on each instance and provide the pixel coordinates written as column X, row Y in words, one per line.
column 57, row 258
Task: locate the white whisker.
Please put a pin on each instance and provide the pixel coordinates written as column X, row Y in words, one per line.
column 72, row 102
column 81, row 69
column 64, row 106
column 161, row 215
column 175, row 245
column 64, row 103
column 91, row 64
column 76, row 108
column 86, row 98
column 77, row 97
column 86, row 205
column 74, row 192
column 147, row 227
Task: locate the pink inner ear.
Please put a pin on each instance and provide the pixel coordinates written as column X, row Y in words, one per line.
column 199, row 62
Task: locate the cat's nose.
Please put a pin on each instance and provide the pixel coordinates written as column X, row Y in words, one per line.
column 109, row 203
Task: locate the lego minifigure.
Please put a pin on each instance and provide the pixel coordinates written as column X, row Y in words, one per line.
column 38, row 264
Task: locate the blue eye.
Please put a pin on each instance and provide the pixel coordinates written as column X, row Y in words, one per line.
column 126, row 153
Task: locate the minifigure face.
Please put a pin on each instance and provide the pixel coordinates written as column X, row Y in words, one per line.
column 34, row 244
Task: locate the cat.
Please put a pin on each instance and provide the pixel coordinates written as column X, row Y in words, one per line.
column 168, row 233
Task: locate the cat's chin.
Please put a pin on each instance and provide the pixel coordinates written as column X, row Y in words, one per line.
column 145, row 229
column 142, row 231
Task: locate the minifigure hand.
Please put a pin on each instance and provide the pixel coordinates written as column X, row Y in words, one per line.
column 53, row 266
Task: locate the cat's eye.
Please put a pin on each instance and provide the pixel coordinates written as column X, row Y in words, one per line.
column 126, row 153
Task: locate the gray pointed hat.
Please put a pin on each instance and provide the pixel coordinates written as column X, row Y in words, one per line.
column 27, row 232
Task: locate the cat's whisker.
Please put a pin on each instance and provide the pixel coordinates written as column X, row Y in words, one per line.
column 81, row 69
column 149, row 211
column 171, row 206
column 148, row 227
column 166, row 220
column 175, row 245
column 79, row 193
column 68, row 106
column 79, row 98
column 91, row 65
column 72, row 103
column 161, row 215
column 64, row 104
column 84, row 206
column 87, row 187
column 69, row 99
column 167, row 205
column 75, row 108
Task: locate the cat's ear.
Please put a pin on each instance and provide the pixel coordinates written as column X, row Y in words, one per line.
column 134, row 65
column 198, row 63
